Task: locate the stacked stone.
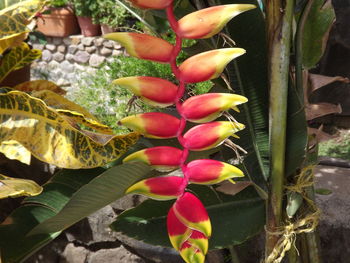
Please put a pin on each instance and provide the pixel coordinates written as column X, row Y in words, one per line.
column 62, row 58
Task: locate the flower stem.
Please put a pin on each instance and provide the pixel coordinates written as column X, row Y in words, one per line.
column 279, row 30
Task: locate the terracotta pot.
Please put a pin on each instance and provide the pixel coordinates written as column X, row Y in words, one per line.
column 88, row 29
column 105, row 29
column 60, row 22
column 16, row 77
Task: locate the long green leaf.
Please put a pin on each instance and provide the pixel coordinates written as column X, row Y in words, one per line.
column 248, row 76
column 15, row 246
column 100, row 192
column 234, row 218
column 69, row 197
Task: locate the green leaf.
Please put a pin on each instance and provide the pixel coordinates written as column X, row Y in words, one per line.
column 15, row 246
column 295, row 200
column 316, row 29
column 323, row 191
column 296, row 139
column 70, row 196
column 234, row 218
column 248, row 77
column 101, row 191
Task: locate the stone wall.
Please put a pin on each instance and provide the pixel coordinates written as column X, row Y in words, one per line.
column 65, row 59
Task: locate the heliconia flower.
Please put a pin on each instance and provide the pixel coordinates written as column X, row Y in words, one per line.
column 159, row 188
column 163, row 158
column 208, row 107
column 192, row 244
column 209, row 135
column 155, row 91
column 206, row 171
column 209, row 21
column 151, row 4
column 207, row 65
column 156, row 125
column 143, row 46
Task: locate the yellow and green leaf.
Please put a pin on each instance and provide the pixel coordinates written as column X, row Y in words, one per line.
column 17, row 58
column 15, row 187
column 75, row 114
column 39, row 85
column 52, row 139
column 14, row 20
column 15, row 151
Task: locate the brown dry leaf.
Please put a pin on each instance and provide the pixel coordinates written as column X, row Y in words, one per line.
column 229, row 188
column 320, row 109
column 39, row 85
column 320, row 135
column 317, row 81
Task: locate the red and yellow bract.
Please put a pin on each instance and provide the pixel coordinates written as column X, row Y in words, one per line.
column 188, row 223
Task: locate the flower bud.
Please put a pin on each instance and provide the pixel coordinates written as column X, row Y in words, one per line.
column 155, row 125
column 191, row 212
column 159, row 188
column 192, row 244
column 143, row 46
column 208, row 107
column 208, row 171
column 162, row 158
column 207, row 65
column 209, row 135
column 154, row 91
column 151, row 4
column 209, row 21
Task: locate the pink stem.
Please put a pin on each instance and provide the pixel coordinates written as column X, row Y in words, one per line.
column 182, row 86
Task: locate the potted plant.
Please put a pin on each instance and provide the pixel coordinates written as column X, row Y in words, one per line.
column 110, row 15
column 84, row 10
column 58, row 20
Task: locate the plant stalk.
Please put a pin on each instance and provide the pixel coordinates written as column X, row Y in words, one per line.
column 279, row 35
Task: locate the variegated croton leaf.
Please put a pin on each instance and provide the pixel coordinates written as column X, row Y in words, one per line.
column 14, row 20
column 51, row 138
column 17, row 58
column 15, row 187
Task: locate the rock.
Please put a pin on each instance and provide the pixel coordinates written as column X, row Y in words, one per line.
column 87, row 41
column 46, row 55
column 50, row 47
column 38, row 46
column 99, row 41
column 56, row 41
column 81, row 46
column 91, row 49
column 95, row 228
column 61, row 48
column 70, row 58
column 75, row 40
column 117, row 52
column 152, row 253
column 67, row 41
column 82, row 57
column 67, row 67
column 115, row 255
column 59, row 57
column 106, row 51
column 72, row 49
column 123, row 203
column 108, row 44
column 73, row 254
column 116, row 45
column 96, row 60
